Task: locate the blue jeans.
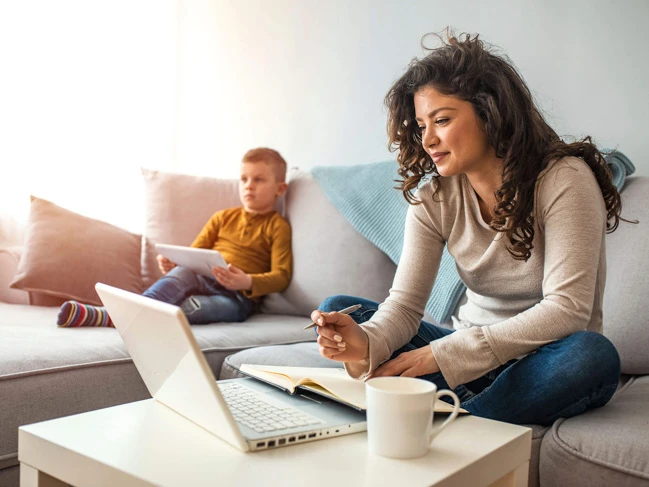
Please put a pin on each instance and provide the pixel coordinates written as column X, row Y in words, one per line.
column 202, row 299
column 558, row 380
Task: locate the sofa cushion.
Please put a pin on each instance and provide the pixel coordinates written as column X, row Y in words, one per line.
column 65, row 254
column 329, row 255
column 626, row 308
column 48, row 372
column 604, row 446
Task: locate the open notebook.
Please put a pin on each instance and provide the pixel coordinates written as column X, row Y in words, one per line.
column 333, row 383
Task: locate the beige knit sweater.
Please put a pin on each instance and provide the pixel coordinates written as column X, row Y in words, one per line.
column 513, row 307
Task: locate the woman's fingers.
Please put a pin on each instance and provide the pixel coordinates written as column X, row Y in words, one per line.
column 331, row 317
column 329, row 332
column 334, row 345
column 330, row 352
column 391, row 368
column 411, row 372
column 316, row 315
column 330, row 347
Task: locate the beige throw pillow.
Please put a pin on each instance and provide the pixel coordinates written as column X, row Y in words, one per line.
column 65, row 254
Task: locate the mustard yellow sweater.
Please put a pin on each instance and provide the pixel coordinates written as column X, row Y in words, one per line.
column 259, row 245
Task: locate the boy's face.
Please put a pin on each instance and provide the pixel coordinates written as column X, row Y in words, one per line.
column 258, row 187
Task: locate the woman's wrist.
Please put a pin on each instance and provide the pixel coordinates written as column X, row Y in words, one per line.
column 366, row 354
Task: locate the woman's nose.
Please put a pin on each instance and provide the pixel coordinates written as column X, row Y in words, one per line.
column 430, row 139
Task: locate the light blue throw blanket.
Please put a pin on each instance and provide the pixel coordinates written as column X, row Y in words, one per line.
column 620, row 167
column 366, row 197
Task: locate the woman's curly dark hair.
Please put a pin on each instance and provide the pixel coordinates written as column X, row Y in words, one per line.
column 464, row 67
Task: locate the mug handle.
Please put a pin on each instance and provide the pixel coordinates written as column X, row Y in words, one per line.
column 451, row 418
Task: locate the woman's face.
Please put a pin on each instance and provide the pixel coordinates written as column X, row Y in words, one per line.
column 452, row 134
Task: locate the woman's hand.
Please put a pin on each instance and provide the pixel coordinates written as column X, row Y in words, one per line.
column 340, row 337
column 409, row 364
column 164, row 264
column 232, row 278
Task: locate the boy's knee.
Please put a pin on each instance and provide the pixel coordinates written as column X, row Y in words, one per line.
column 183, row 271
column 190, row 305
column 337, row 302
column 182, row 274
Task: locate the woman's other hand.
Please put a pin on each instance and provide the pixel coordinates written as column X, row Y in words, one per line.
column 164, row 264
column 409, row 364
column 340, row 337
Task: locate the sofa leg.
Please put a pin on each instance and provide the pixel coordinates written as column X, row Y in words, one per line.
column 30, row 477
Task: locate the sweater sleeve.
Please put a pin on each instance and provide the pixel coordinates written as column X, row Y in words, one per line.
column 210, row 233
column 397, row 319
column 281, row 263
column 572, row 221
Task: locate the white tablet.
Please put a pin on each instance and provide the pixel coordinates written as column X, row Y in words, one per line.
column 201, row 261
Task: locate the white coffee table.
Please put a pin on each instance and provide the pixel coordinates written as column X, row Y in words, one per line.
column 144, row 443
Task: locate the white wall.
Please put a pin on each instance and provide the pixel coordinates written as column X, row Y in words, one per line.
column 308, row 77
column 88, row 89
column 87, row 97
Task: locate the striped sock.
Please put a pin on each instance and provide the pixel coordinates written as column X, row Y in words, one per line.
column 73, row 314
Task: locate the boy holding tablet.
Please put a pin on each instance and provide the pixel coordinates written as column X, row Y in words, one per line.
column 253, row 238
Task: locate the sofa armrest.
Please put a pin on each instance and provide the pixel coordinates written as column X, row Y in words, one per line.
column 9, row 257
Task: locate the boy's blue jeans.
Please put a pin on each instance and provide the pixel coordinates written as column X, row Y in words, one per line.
column 558, row 380
column 201, row 298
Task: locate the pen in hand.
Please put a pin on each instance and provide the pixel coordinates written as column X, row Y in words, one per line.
column 345, row 311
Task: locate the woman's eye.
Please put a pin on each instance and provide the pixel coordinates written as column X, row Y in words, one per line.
column 441, row 121
column 421, row 128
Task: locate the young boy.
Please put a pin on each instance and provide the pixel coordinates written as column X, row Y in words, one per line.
column 254, row 239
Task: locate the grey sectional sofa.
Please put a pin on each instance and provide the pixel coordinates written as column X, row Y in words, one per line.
column 47, row 372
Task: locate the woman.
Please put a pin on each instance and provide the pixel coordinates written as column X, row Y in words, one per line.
column 524, row 215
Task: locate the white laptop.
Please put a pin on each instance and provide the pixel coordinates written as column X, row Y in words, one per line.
column 248, row 414
column 201, row 261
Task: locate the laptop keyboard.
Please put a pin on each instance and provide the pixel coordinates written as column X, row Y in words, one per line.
column 261, row 413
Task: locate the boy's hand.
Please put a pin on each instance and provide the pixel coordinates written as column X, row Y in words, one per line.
column 232, row 278
column 164, row 264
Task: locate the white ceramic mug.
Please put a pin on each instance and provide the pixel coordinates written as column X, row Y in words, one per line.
column 400, row 414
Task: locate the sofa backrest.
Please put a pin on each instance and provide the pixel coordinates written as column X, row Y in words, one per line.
column 626, row 298
column 11, row 231
column 329, row 255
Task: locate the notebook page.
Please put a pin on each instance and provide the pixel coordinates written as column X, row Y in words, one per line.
column 279, row 378
column 338, row 383
column 335, row 382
